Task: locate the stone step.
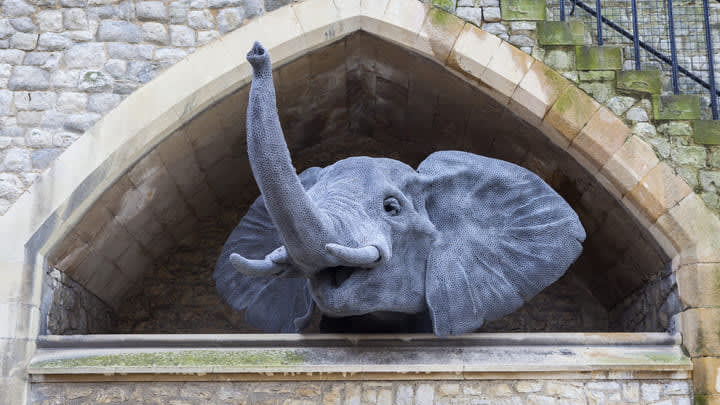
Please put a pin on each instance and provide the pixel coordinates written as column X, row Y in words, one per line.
column 561, row 33
column 706, row 132
column 598, row 57
column 676, row 107
column 639, row 81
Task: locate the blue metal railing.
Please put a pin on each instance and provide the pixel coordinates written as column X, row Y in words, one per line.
column 672, row 60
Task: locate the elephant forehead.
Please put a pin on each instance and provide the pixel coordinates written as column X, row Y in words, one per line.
column 368, row 170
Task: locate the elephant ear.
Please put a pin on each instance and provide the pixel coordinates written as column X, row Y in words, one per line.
column 504, row 235
column 272, row 304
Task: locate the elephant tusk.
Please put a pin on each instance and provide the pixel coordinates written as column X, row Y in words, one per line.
column 357, row 256
column 275, row 263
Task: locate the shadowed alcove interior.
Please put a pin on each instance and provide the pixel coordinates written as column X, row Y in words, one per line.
column 141, row 259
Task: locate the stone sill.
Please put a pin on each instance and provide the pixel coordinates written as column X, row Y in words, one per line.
column 292, row 357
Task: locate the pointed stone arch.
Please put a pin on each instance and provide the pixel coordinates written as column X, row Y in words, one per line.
column 41, row 220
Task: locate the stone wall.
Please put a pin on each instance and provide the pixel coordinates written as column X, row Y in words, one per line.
column 498, row 392
column 75, row 310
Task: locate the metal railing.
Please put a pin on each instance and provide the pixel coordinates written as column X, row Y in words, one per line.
column 662, row 34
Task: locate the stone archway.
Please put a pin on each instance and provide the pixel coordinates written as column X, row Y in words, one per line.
column 596, row 139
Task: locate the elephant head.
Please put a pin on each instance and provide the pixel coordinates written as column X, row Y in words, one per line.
column 464, row 238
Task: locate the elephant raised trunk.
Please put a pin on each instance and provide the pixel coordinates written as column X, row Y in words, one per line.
column 303, row 228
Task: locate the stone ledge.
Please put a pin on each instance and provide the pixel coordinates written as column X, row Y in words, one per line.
column 361, row 357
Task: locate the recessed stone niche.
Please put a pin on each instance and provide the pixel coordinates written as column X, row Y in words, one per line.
column 141, row 259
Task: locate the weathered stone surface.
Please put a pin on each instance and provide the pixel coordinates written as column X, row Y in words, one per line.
column 620, row 104
column 491, row 14
column 229, row 19
column 50, row 20
column 155, row 33
column 16, row 160
column 53, row 42
column 701, row 331
column 598, row 58
column 560, row 59
column 151, row 11
column 470, row 14
column 75, row 19
column 24, row 41
column 95, row 81
column 101, row 103
column 201, row 20
column 676, row 107
column 640, row 81
column 524, row 10
column 658, row 191
column 17, row 8
column 42, row 158
column 10, row 186
column 571, row 112
column 24, row 24
column 706, row 132
column 181, row 35
column 561, row 33
column 29, row 78
column 119, row 31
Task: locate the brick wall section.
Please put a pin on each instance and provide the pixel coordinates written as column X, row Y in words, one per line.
column 534, row 392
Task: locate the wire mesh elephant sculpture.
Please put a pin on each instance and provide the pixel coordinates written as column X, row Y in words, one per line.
column 462, row 240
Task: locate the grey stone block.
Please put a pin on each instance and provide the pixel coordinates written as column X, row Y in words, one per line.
column 181, row 35
column 50, row 41
column 155, row 33
column 50, row 20
column 271, row 5
column 151, row 11
column 80, row 122
column 29, row 78
column 64, row 139
column 75, row 19
column 101, row 103
column 6, row 98
column 36, row 101
column 10, row 186
column 201, row 20
column 116, row 68
column 17, row 8
column 16, row 160
column 74, row 3
column 37, row 138
column 94, row 81
column 72, row 102
column 470, row 14
column 24, row 24
column 142, row 71
column 6, row 29
column 42, row 158
column 178, row 12
column 24, row 41
column 229, row 19
column 11, row 56
column 36, row 58
column 119, row 31
column 86, row 55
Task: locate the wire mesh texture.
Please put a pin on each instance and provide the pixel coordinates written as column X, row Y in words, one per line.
column 654, row 30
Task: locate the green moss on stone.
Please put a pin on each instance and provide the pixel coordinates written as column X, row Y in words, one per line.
column 523, row 10
column 639, row 81
column 706, row 132
column 700, row 399
column 598, row 58
column 676, row 107
column 597, row 75
column 447, row 5
column 182, row 358
column 561, row 33
column 441, row 18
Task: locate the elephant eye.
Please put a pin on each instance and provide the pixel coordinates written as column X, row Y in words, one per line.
column 392, row 206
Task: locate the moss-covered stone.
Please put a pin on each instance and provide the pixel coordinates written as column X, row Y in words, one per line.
column 561, row 32
column 707, row 132
column 676, row 107
column 598, row 58
column 181, row 358
column 639, row 81
column 597, row 75
column 447, row 5
column 523, row 10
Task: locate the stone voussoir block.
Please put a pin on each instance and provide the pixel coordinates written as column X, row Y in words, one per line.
column 572, row 110
column 706, row 132
column 706, row 376
column 639, row 81
column 603, row 135
column 676, row 107
column 701, row 331
column 658, row 191
column 598, row 58
column 561, row 32
column 699, row 284
column 523, row 10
